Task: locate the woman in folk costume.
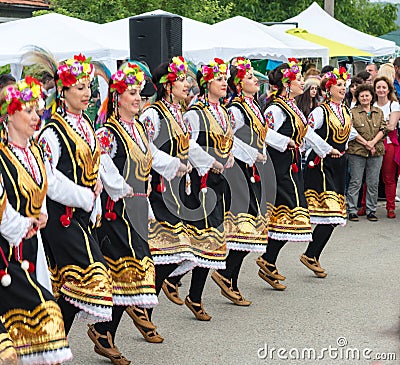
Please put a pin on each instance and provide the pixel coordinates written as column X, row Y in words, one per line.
column 80, row 277
column 169, row 144
column 289, row 216
column 246, row 222
column 212, row 134
column 324, row 178
column 123, row 238
column 28, row 311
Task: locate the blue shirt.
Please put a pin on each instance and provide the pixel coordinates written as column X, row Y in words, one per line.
column 397, row 86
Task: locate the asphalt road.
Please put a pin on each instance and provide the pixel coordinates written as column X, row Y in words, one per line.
column 350, row 317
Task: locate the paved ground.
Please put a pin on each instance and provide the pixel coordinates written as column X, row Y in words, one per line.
column 351, row 317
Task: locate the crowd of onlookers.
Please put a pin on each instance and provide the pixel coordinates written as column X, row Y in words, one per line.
column 373, row 164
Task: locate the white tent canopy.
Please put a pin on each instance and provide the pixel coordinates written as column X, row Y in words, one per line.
column 260, row 41
column 63, row 36
column 202, row 42
column 315, row 20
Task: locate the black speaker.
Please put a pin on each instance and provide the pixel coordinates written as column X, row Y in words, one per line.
column 155, row 38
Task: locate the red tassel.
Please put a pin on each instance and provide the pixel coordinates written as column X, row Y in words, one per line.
column 203, row 183
column 314, row 163
column 255, row 178
column 161, row 186
column 65, row 219
column 110, row 215
column 31, row 268
column 295, row 169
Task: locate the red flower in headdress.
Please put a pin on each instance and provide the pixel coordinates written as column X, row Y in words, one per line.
column 29, row 80
column 293, row 60
column 219, row 61
column 208, row 74
column 119, row 86
column 68, row 79
column 14, row 106
column 171, row 77
column 241, row 73
column 181, row 58
column 80, row 57
column 330, row 82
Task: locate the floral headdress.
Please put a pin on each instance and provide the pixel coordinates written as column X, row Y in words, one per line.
column 75, row 70
column 243, row 66
column 290, row 74
column 128, row 77
column 27, row 92
column 335, row 75
column 213, row 70
column 176, row 69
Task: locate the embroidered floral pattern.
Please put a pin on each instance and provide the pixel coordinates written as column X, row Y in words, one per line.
column 44, row 145
column 311, row 121
column 150, row 130
column 269, row 118
column 106, row 140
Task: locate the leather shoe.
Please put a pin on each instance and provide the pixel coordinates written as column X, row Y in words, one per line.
column 271, row 281
column 265, row 266
column 311, row 263
column 150, row 335
column 112, row 353
column 353, row 217
column 240, row 302
column 171, row 291
column 225, row 285
column 140, row 317
column 372, row 217
column 197, row 309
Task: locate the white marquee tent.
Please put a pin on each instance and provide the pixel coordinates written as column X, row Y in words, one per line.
column 315, row 20
column 202, row 42
column 254, row 40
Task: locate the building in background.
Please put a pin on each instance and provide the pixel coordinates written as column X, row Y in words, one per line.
column 18, row 9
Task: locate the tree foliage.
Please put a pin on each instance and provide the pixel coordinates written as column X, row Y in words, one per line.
column 372, row 18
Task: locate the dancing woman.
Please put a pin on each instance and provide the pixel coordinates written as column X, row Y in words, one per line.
column 125, row 156
column 80, row 277
column 324, row 178
column 289, row 216
column 28, row 311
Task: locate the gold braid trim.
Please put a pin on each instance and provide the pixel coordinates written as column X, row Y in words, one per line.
column 87, row 160
column 256, row 125
column 175, row 131
column 8, row 354
column 283, row 219
column 326, row 204
column 3, row 200
column 299, row 128
column 222, row 141
column 92, row 285
column 27, row 186
column 246, row 228
column 132, row 276
column 36, row 331
column 143, row 161
column 340, row 133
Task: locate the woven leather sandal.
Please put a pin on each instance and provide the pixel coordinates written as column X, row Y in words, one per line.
column 270, row 280
column 197, row 309
column 171, row 291
column 140, row 317
column 266, row 267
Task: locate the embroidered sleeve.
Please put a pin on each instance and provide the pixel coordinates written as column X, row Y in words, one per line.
column 232, row 119
column 44, row 145
column 237, row 119
column 107, row 141
column 149, row 127
column 316, row 118
column 311, row 121
column 269, row 118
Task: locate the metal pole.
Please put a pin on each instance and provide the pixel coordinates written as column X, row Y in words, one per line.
column 329, row 7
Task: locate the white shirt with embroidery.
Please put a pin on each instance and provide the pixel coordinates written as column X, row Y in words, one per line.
column 60, row 188
column 163, row 163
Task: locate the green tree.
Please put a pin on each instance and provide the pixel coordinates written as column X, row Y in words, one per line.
column 372, row 18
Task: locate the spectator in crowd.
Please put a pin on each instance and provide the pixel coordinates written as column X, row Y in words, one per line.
column 312, row 73
column 396, row 83
column 387, row 70
column 350, row 98
column 366, row 76
column 325, row 69
column 311, row 96
column 372, row 68
column 365, row 152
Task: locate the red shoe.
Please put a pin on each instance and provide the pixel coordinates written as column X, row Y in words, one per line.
column 391, row 214
column 362, row 211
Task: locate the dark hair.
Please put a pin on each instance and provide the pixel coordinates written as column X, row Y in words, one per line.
column 356, row 80
column 306, row 103
column 6, row 79
column 391, row 95
column 396, row 62
column 365, row 75
column 47, row 77
column 361, row 88
column 275, row 79
column 233, row 72
column 326, row 68
column 159, row 72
